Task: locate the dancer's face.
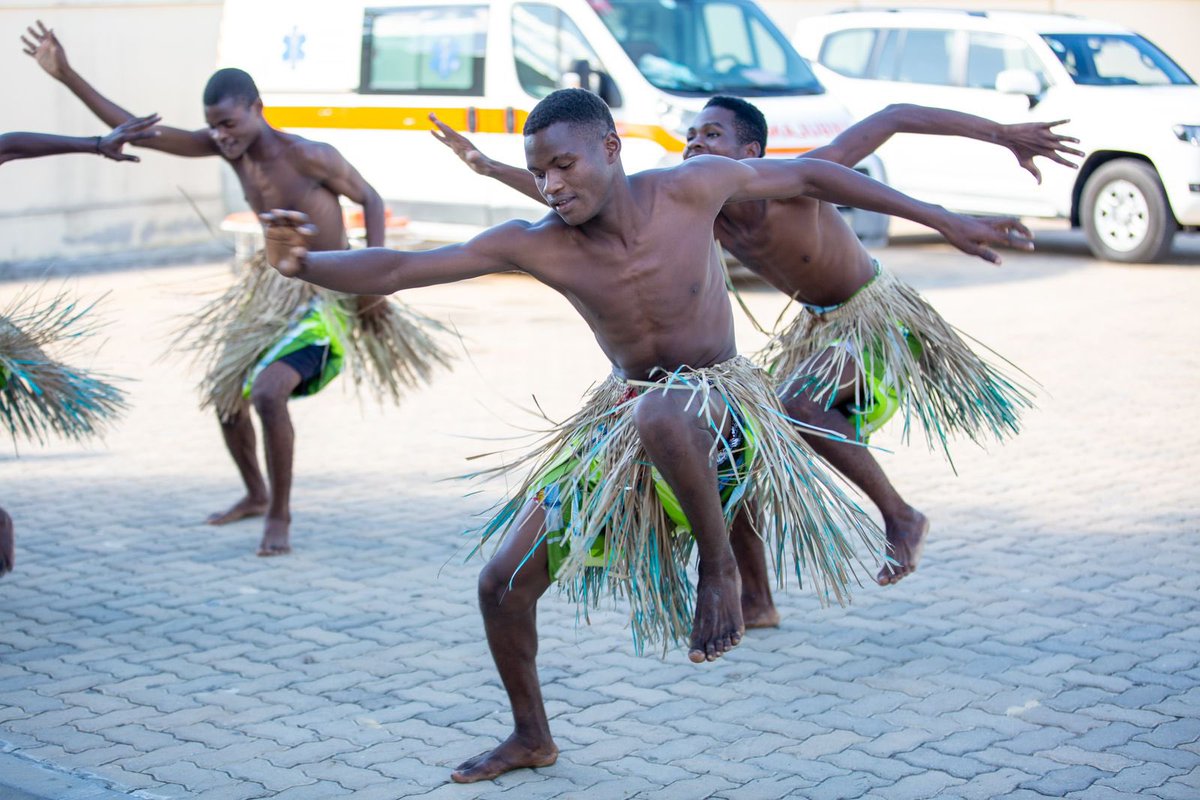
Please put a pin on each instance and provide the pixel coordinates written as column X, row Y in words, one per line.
column 573, row 167
column 234, row 125
column 712, row 133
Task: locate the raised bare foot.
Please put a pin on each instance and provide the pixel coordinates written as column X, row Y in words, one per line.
column 246, row 507
column 275, row 538
column 511, row 754
column 906, row 539
column 7, row 545
column 718, row 626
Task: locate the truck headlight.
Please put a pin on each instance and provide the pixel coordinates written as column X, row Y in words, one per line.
column 1188, row 133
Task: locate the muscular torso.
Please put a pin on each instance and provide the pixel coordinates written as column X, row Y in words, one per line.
column 654, row 298
column 801, row 246
column 280, row 182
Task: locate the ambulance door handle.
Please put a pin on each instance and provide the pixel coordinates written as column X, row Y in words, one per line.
column 471, row 119
column 510, row 120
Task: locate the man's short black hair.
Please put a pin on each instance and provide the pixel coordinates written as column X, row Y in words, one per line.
column 749, row 124
column 578, row 108
column 230, row 83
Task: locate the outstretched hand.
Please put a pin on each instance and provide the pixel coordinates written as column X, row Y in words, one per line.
column 42, row 45
column 972, row 235
column 1037, row 139
column 460, row 144
column 287, row 234
column 134, row 130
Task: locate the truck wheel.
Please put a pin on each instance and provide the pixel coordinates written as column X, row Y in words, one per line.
column 1125, row 213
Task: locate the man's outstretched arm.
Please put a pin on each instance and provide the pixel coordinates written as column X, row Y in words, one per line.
column 378, row 270
column 1026, row 140
column 725, row 179
column 20, row 144
column 43, row 46
column 513, row 177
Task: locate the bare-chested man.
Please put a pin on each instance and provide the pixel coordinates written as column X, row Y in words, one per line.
column 803, row 247
column 22, row 144
column 632, row 254
column 275, row 170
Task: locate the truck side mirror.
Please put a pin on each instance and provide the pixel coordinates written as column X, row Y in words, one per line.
column 1020, row 81
column 585, row 76
column 608, row 90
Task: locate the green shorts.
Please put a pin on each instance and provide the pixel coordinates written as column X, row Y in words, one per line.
column 318, row 325
column 555, row 496
column 882, row 397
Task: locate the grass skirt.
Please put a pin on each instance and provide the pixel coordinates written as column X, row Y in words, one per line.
column 800, row 512
column 939, row 381
column 40, row 395
column 390, row 353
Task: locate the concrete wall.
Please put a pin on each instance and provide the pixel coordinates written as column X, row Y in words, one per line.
column 147, row 56
column 1171, row 24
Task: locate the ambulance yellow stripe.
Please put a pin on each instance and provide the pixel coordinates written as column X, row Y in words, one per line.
column 379, row 118
column 467, row 120
column 486, row 120
column 655, row 133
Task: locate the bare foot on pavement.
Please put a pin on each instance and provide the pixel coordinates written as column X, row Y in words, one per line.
column 509, row 755
column 718, row 626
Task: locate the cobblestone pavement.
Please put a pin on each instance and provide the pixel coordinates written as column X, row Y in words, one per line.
column 1048, row 646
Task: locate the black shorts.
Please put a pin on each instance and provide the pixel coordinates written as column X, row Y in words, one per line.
column 309, row 362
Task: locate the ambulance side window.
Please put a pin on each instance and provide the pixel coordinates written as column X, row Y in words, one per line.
column 424, row 50
column 547, row 45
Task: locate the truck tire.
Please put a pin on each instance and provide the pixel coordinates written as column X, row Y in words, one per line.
column 1125, row 213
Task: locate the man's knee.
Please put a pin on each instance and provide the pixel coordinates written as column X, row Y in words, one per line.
column 659, row 414
column 802, row 406
column 502, row 590
column 269, row 399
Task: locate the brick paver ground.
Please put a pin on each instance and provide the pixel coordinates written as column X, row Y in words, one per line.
column 1049, row 646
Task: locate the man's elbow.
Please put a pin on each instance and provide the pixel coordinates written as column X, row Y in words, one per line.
column 902, row 117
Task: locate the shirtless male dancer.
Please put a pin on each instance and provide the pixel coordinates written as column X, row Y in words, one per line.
column 275, row 170
column 803, row 247
column 632, row 255
column 22, row 144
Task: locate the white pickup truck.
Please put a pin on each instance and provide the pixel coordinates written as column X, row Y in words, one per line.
column 1134, row 110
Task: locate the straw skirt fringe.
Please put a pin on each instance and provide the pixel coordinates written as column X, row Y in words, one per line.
column 390, row 353
column 40, row 395
column 605, row 485
column 940, row 382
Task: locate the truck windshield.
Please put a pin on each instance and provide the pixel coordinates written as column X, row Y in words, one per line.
column 1109, row 59
column 703, row 47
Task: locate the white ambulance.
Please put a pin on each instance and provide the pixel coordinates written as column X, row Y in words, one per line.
column 364, row 77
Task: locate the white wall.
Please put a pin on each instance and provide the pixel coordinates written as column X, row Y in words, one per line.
column 146, row 56
column 1173, row 25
